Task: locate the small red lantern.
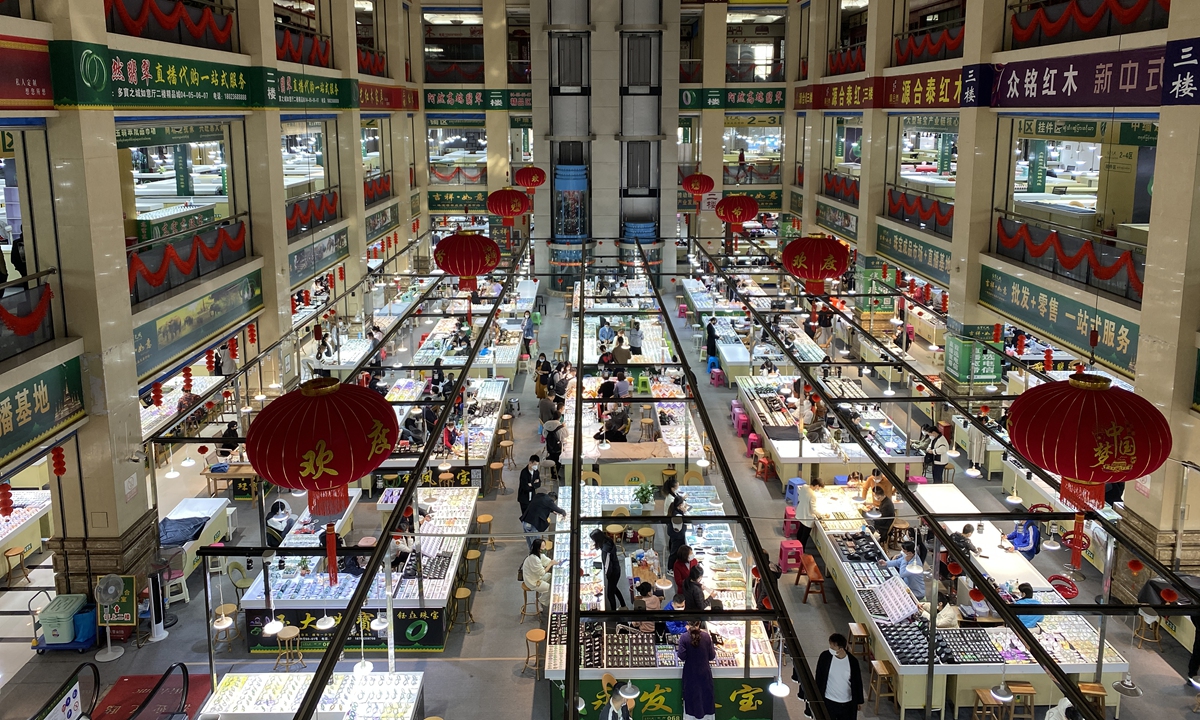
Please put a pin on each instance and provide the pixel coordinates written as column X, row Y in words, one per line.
column 467, row 255
column 1169, row 595
column 1090, row 433
column 307, row 297
column 997, row 332
column 329, row 280
column 920, row 388
column 6, row 501
column 342, row 273
column 954, row 568
column 899, row 277
column 737, row 209
column 156, row 394
column 976, row 594
column 1020, row 345
column 320, row 438
column 1048, row 360
column 698, row 184
column 318, row 333
column 58, row 461
column 1135, row 566
column 912, row 285
column 530, row 178
column 210, row 360
column 815, row 259
column 508, row 204
column 945, row 302
column 203, row 450
column 209, row 405
column 252, row 333
column 883, row 273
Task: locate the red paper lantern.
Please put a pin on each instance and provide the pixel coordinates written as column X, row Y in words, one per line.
column 156, row 394
column 815, row 259
column 1048, row 360
column 997, row 332
column 945, row 302
column 1135, row 566
column 203, row 450
column 321, row 437
column 508, row 204
column 976, row 594
column 737, row 209
column 58, row 461
column 210, row 360
column 912, row 285
column 226, row 394
column 1020, row 345
column 883, row 273
column 252, row 333
column 1090, row 433
column 307, row 297
column 530, row 178
column 1169, row 595
column 984, row 409
column 209, row 405
column 954, row 568
column 6, row 501
column 467, row 255
column 342, row 273
column 698, row 184
column 899, row 277
column 329, row 280
column 920, row 387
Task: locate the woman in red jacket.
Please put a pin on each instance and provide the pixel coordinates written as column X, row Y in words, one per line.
column 681, row 565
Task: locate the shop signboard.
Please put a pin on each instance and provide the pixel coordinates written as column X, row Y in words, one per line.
column 837, row 221
column 463, row 121
column 685, row 201
column 131, row 136
column 731, row 99
column 311, row 259
column 790, row 226
column 414, row 205
column 662, row 698
column 463, row 477
column 36, row 409
column 1061, row 318
column 966, row 362
column 1037, row 157
column 456, row 201
column 458, row 99
column 945, row 123
column 975, row 332
column 413, row 629
column 122, row 613
column 1182, row 72
column 520, row 121
column 25, row 82
column 162, row 340
column 295, row 90
column 854, row 95
column 941, row 89
column 929, row 260
column 977, row 85
column 744, row 120
column 387, row 97
column 803, row 99
column 768, row 200
column 68, row 705
column 1141, row 134
column 869, row 278
column 796, row 202
column 382, row 221
column 1121, row 78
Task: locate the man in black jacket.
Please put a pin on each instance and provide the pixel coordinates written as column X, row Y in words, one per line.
column 839, row 680
column 531, row 480
column 536, row 518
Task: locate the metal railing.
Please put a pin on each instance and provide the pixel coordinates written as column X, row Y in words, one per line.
column 519, row 72
column 164, row 263
column 920, row 209
column 26, row 305
column 377, row 188
column 840, row 186
column 452, row 174
column 1034, row 23
column 312, row 210
column 453, row 71
column 691, row 70
column 1098, row 261
column 751, row 172
column 198, row 23
column 932, row 42
column 372, row 61
column 750, row 71
column 301, row 45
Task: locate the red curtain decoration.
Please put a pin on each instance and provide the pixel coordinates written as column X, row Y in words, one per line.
column 314, row 208
column 815, row 259
column 469, row 76
column 698, row 184
column 905, row 53
column 169, row 21
column 530, row 178
column 508, row 204
column 371, row 62
column 1087, row 23
column 1090, row 433
column 323, row 435
column 736, row 209
column 846, row 61
column 1070, row 262
column 318, row 54
column 171, row 257
column 468, row 175
column 844, row 187
column 467, row 256
column 898, row 201
column 379, row 187
column 27, row 324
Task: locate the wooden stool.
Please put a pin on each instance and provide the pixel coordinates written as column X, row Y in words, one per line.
column 897, row 534
column 646, row 537
column 462, row 606
column 446, row 479
column 559, row 354
column 1024, row 700
column 391, row 480
column 816, row 579
column 473, row 567
column 501, row 434
column 647, row 430
column 497, row 469
column 289, row 649
column 1094, row 693
column 668, row 474
column 986, row 706
column 617, row 533
column 506, row 453
column 17, row 555
column 859, row 640
column 481, row 522
column 647, row 411
column 563, row 341
column 506, row 422
column 531, row 600
column 533, row 639
column 1146, row 629
column 883, row 682
column 226, row 633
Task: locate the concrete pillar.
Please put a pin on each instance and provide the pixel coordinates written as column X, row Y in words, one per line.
column 874, row 144
column 814, row 120
column 543, row 206
column 712, row 122
column 668, row 196
column 495, row 57
column 606, row 151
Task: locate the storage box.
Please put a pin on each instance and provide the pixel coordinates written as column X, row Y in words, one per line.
column 58, row 619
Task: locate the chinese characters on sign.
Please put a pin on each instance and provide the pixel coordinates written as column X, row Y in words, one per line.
column 838, row 221
column 717, row 98
column 1126, row 78
column 1181, row 73
column 25, row 83
column 849, row 95
column 766, row 199
column 937, row 89
column 925, row 259
column 448, row 99
column 441, row 201
column 966, row 362
column 387, row 97
column 37, row 408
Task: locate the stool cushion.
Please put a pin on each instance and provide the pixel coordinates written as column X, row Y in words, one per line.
column 536, row 635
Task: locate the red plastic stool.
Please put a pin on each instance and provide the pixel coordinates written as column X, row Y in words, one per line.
column 753, row 442
column 683, row 309
column 918, row 479
column 791, row 526
column 717, row 377
column 791, row 555
column 741, row 423
column 765, row 469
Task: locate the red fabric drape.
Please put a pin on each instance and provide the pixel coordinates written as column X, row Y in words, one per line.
column 1087, row 23
column 315, row 207
column 846, row 61
column 843, row 185
column 26, row 324
column 170, row 257
column 910, row 49
column 898, row 200
column 1070, row 262
column 169, row 21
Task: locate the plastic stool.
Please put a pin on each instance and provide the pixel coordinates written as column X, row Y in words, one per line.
column 792, row 494
column 764, row 468
column 713, row 363
column 717, row 377
column 918, row 479
column 753, row 442
column 841, row 479
column 791, row 554
column 643, row 384
column 734, row 406
column 683, row 311
column 791, row 526
column 741, row 423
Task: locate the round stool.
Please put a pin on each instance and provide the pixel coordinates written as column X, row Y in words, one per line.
column 897, row 533
column 506, row 421
column 391, row 480
column 497, row 469
column 367, row 542
column 473, row 572
column 558, row 355
column 646, row 537
column 501, row 434
column 217, row 564
column 289, row 649
column 15, row 555
column 462, row 609
column 562, row 341
column 617, row 533
column 669, row 474
column 482, row 522
column 446, row 479
column 647, row 430
column 647, row 411
column 1146, row 628
column 506, row 453
column 225, row 621
column 531, row 606
column 533, row 639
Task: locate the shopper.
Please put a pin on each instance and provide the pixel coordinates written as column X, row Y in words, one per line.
column 228, row 364
column 937, row 454
column 696, row 651
column 676, row 537
column 605, row 359
column 887, row 514
column 611, row 567
column 554, row 444
column 623, row 388
column 621, row 354
column 677, row 604
column 670, row 490
column 230, row 436
column 279, row 523
column 839, row 680
column 646, row 601
column 962, row 540
column 681, row 563
column 543, row 370
column 535, row 572
column 617, row 707
column 1026, row 592
column 527, row 332
column 635, row 338
column 545, row 414
column 437, row 378
column 874, row 480
column 914, row 580
column 804, row 510
column 1026, row 539
column 411, row 433
column 560, row 384
column 711, row 338
column 605, row 333
column 536, row 518
column 693, row 590
column 824, row 326
column 531, row 480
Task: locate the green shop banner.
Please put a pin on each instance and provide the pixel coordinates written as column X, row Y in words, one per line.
column 662, row 699
column 796, row 202
column 414, row 205
column 1061, row 318
column 685, row 201
column 931, row 123
column 520, row 121
column 457, row 99
column 275, row 88
column 731, row 99
column 36, row 409
column 869, row 278
column 975, row 332
column 413, row 629
column 766, row 199
column 966, row 362
column 472, row 201
column 837, row 221
column 383, row 222
column 317, row 256
column 159, row 342
column 929, row 260
column 133, row 136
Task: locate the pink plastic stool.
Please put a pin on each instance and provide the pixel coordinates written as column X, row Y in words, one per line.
column 791, row 554
column 741, row 424
column 790, row 525
column 918, row 479
column 753, row 442
column 682, row 310
column 734, row 406
column 717, row 377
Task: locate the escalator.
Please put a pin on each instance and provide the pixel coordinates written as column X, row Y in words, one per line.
column 168, row 699
column 73, row 700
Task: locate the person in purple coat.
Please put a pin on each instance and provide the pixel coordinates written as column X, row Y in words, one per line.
column 696, row 652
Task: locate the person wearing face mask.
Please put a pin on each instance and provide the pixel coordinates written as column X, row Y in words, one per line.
column 527, row 331
column 530, row 481
column 535, row 571
column 681, row 563
column 617, row 707
column 613, row 597
column 914, row 581
column 936, row 455
column 696, row 651
column 839, row 680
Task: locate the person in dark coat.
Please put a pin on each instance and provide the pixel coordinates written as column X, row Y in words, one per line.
column 530, row 481
column 692, row 591
column 675, row 531
column 839, row 680
column 536, row 518
column 613, row 596
column 695, row 650
column 712, row 337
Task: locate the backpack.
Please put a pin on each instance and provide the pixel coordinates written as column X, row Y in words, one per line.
column 554, row 442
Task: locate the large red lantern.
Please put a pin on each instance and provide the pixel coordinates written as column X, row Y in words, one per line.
column 698, row 184
column 530, row 178
column 467, row 255
column 737, row 209
column 320, row 438
column 508, row 204
column 1090, row 433
column 815, row 259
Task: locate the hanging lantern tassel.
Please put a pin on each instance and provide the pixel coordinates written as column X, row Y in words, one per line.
column 1048, row 360
column 331, row 559
column 252, row 333
column 884, row 273
column 210, row 360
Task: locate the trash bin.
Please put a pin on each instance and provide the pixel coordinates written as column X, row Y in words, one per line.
column 85, row 624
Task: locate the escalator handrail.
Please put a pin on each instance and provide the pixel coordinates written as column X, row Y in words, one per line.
column 154, row 691
column 57, row 696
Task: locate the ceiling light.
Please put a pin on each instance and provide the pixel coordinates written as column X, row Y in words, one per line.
column 873, row 514
column 1051, row 544
column 325, row 623
column 953, row 452
column 173, row 474
column 663, row 584
column 260, row 397
column 223, row 622
column 933, row 347
column 702, row 463
column 379, row 624
column 896, row 321
column 363, row 667
column 866, row 371
column 972, row 472
column 891, row 445
column 1125, row 686
column 733, row 555
column 188, row 461
column 991, row 388
column 1002, row 693
column 274, row 386
column 915, row 567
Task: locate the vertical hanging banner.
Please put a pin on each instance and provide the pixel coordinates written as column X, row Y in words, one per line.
column 25, row 82
column 1037, row 166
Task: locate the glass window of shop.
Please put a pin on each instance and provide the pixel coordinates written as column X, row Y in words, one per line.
column 28, row 243
column 754, row 47
column 369, row 23
column 453, row 46
column 797, row 141
column 847, row 38
column 457, row 150
column 517, row 52
column 1085, row 185
column 309, row 157
column 922, row 165
column 520, row 138
column 687, row 141
column 751, row 145
column 376, row 138
column 302, row 32
column 841, row 157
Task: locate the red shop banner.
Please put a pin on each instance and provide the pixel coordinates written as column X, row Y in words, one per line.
column 387, row 97
column 804, row 97
column 25, row 82
column 854, row 95
column 925, row 90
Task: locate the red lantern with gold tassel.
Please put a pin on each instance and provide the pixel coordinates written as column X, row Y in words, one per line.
column 467, row 255
column 699, row 185
column 530, row 178
column 508, row 204
column 320, row 438
column 815, row 259
column 737, row 209
column 1090, row 433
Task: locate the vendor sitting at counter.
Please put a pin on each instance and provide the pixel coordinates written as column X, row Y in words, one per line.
column 914, row 581
column 681, row 563
column 1026, row 590
column 606, row 356
column 876, row 480
column 768, row 368
column 887, row 513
